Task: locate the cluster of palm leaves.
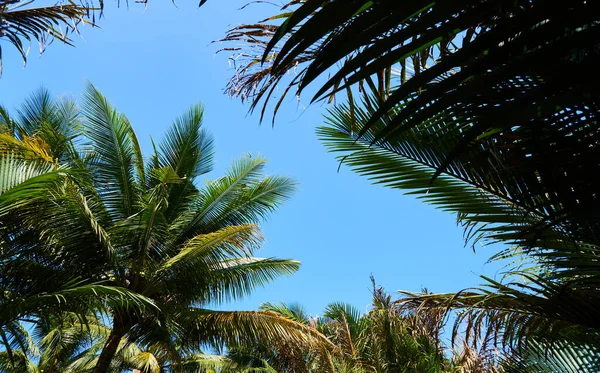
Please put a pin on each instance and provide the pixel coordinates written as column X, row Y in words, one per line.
column 122, row 255
column 485, row 108
column 21, row 22
column 385, row 339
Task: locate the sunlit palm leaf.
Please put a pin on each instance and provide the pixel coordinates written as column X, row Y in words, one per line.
column 117, row 151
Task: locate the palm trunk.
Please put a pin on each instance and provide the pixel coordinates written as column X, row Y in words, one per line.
column 110, row 347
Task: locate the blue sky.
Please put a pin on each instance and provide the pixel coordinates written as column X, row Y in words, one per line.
column 152, row 63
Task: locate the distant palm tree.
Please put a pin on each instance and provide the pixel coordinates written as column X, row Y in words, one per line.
column 147, row 227
column 385, row 339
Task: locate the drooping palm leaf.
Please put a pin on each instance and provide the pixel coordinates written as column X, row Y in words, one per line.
column 561, row 356
column 20, row 23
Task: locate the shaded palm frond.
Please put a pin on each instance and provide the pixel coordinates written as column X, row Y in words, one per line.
column 509, row 315
column 483, row 201
column 20, row 23
column 559, row 356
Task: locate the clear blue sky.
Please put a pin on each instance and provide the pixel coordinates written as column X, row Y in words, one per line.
column 153, row 63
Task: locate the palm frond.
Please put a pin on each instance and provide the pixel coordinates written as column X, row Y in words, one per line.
column 55, row 121
column 117, row 153
column 237, row 278
column 188, row 150
column 243, row 196
column 559, row 356
column 293, row 311
column 21, row 23
column 146, row 362
column 248, row 327
column 192, row 266
column 511, row 314
column 71, row 295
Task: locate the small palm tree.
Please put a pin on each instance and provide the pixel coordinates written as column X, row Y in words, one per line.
column 147, row 227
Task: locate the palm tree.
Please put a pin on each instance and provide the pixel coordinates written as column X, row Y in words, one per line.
column 32, row 284
column 147, row 227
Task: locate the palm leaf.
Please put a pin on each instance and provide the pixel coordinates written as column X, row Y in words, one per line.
column 22, row 23
column 241, row 197
column 243, row 327
column 117, row 153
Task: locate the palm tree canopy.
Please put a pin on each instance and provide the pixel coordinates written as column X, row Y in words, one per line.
column 140, row 224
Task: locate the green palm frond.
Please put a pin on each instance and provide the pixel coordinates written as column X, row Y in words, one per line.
column 293, row 311
column 513, row 313
column 118, row 157
column 16, row 171
column 249, row 327
column 16, row 342
column 238, row 278
column 494, row 202
column 72, row 296
column 343, row 311
column 243, row 196
column 55, row 121
column 410, row 163
column 218, row 266
column 210, row 249
column 17, row 363
column 146, row 362
column 187, row 149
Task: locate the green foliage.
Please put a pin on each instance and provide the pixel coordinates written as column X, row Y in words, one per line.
column 460, row 104
column 385, row 339
column 137, row 242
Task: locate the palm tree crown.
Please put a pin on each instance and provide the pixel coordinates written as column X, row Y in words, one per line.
column 145, row 226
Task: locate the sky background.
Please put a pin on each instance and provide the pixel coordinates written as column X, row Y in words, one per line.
column 152, row 63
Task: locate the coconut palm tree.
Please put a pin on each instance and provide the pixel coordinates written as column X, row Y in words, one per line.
column 148, row 228
column 33, row 284
column 68, row 344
